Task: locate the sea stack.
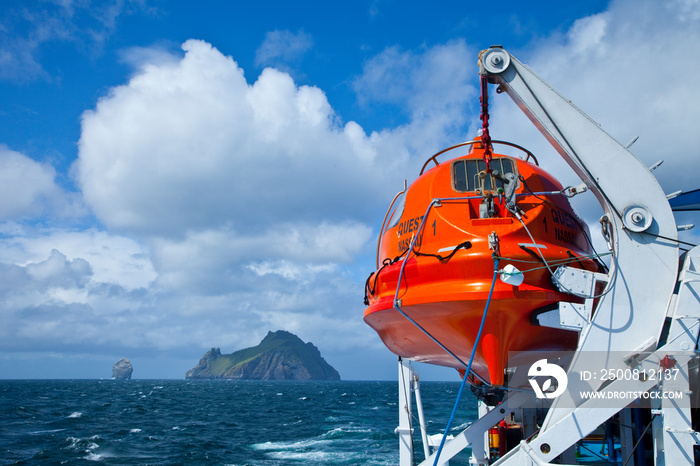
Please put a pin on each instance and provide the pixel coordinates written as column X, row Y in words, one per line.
column 122, row 369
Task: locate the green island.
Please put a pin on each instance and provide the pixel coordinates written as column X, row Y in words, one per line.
column 279, row 356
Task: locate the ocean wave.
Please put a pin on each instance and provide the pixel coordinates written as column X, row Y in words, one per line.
column 307, row 451
column 42, row 432
column 81, row 444
column 304, row 445
column 233, row 423
column 325, row 457
column 93, row 457
column 345, row 432
column 461, row 426
column 298, row 421
column 325, row 448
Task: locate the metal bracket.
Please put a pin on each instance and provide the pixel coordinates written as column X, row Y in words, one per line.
column 493, row 243
column 571, row 191
column 568, row 316
column 578, row 282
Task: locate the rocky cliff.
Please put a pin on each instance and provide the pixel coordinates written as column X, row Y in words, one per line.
column 122, row 369
column 279, row 356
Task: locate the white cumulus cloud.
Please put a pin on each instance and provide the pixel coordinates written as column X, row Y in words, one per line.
column 191, row 145
column 26, row 186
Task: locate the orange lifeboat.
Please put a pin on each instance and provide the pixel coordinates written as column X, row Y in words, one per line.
column 435, row 240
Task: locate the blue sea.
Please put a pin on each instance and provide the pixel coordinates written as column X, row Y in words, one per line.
column 212, row 422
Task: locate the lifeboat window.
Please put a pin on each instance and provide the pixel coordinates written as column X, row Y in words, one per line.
column 466, row 178
column 397, row 212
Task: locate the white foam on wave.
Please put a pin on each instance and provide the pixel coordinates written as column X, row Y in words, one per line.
column 306, row 456
column 331, row 436
column 349, row 429
column 72, row 442
column 298, row 445
column 320, row 449
column 307, row 451
column 94, row 456
column 461, row 426
column 134, row 431
column 75, row 415
column 42, row 432
column 299, row 421
column 86, row 445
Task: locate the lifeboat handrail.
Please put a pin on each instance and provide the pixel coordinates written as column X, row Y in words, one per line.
column 386, row 216
column 456, row 199
column 469, row 143
column 527, row 152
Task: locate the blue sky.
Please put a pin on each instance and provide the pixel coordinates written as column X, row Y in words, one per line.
column 181, row 176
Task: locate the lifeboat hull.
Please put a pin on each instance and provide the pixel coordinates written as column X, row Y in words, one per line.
column 508, row 330
column 444, row 289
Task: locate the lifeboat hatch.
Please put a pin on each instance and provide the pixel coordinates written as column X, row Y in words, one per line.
column 470, row 175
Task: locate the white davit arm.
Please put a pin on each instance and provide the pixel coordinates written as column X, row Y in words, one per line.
column 618, row 179
column 641, row 225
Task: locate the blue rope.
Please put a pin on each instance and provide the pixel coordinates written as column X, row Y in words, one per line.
column 469, row 365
